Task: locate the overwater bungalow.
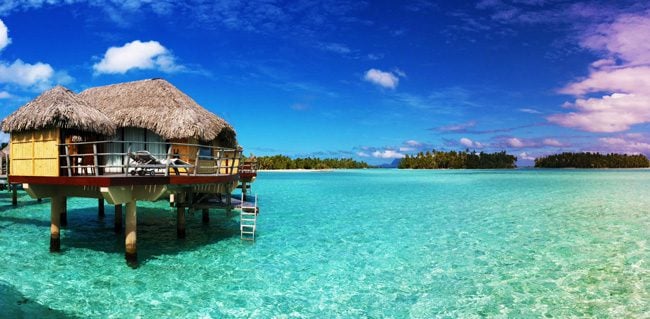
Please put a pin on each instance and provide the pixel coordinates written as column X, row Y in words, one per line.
column 123, row 143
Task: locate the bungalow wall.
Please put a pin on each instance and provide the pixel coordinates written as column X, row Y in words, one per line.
column 35, row 153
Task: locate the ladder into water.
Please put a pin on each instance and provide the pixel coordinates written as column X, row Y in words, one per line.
column 248, row 219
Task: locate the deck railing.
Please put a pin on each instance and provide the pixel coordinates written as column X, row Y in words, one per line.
column 98, row 158
column 248, row 167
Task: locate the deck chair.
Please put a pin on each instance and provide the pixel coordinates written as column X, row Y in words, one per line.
column 145, row 163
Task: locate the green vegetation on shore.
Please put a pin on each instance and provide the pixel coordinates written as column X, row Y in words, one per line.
column 592, row 160
column 285, row 162
column 458, row 160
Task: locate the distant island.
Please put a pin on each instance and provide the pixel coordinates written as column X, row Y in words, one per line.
column 284, row 162
column 592, row 160
column 459, row 160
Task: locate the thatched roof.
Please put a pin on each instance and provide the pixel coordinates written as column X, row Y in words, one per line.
column 58, row 107
column 156, row 105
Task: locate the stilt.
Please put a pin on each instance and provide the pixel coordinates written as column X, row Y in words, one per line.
column 39, row 200
column 243, row 190
column 180, row 222
column 130, row 251
column 14, row 194
column 64, row 211
column 100, row 208
column 118, row 218
column 55, row 224
column 206, row 215
column 228, row 204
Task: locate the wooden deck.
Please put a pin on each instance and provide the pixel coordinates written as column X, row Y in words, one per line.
column 121, row 180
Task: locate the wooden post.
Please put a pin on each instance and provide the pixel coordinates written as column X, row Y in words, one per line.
column 56, row 205
column 100, row 207
column 206, row 215
column 118, row 218
column 243, row 191
column 180, row 221
column 130, row 252
column 228, row 204
column 64, row 211
column 14, row 194
column 39, row 200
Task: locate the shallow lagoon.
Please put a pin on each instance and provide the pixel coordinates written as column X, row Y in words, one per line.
column 351, row 244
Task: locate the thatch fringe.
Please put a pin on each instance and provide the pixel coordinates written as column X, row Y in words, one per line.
column 58, row 107
column 156, row 105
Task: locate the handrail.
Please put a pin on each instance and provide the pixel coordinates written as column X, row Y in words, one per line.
column 104, row 162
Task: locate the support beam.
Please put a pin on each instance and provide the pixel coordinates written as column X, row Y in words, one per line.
column 130, row 251
column 228, row 204
column 206, row 215
column 56, row 205
column 180, row 222
column 243, row 190
column 100, row 208
column 118, row 218
column 14, row 194
column 64, row 211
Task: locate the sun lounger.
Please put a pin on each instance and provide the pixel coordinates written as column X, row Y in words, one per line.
column 145, row 163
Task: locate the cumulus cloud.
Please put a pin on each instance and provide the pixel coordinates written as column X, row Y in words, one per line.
column 387, row 154
column 25, row 74
column 526, row 156
column 4, row 35
column 551, row 142
column 610, row 113
column 363, row 154
column 388, row 80
column 137, row 55
column 5, row 95
column 469, row 143
column 515, row 142
column 623, row 145
column 622, row 77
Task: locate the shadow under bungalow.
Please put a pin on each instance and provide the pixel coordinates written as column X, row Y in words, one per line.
column 137, row 141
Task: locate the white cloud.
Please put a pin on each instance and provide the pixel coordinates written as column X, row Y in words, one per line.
column 466, row 142
column 137, row 55
column 387, row 154
column 384, row 79
column 610, row 113
column 515, row 142
column 622, row 74
column 4, row 35
column 551, row 142
column 525, row 156
column 469, row 143
column 621, row 145
column 363, row 154
column 25, row 74
column 413, row 143
column 5, row 95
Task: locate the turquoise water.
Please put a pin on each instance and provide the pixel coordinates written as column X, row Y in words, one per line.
column 352, row 244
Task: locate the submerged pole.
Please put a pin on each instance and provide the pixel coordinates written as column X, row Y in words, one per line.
column 130, row 251
column 56, row 205
column 243, row 191
column 14, row 194
column 100, row 208
column 64, row 211
column 180, row 221
column 206, row 215
column 118, row 218
column 228, row 204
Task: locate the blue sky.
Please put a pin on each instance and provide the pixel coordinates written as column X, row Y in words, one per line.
column 368, row 80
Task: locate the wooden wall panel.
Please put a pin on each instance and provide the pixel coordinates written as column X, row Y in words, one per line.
column 35, row 153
